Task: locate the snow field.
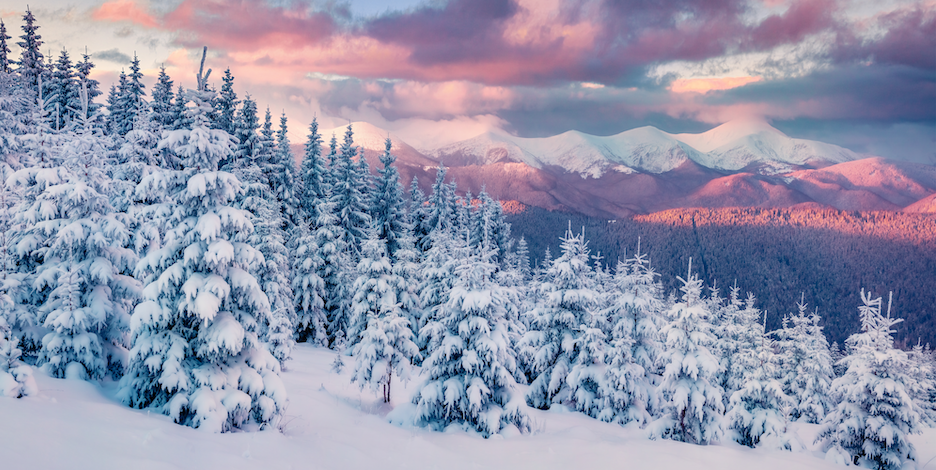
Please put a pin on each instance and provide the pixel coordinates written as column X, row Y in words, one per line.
column 331, row 424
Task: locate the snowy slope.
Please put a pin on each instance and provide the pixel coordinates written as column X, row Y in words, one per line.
column 738, row 144
column 331, row 425
column 732, row 146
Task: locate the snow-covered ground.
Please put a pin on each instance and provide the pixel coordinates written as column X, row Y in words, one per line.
column 330, row 424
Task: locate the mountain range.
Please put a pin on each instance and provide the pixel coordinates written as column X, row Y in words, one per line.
column 644, row 170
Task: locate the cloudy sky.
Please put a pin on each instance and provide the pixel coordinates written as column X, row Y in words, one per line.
column 858, row 73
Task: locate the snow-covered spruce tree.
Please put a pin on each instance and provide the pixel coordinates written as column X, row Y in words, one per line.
column 375, row 288
column 196, row 355
column 62, row 88
column 923, row 390
column 16, row 380
column 163, row 96
column 336, row 272
column 387, row 204
column 560, row 326
column 691, row 398
column 130, row 102
column 350, row 202
column 284, row 180
column 4, row 50
column 83, row 246
column 875, row 415
column 469, row 382
column 488, row 225
column 757, row 410
column 806, row 365
column 438, row 278
column 635, row 350
column 251, row 166
column 440, row 212
column 92, row 86
column 313, row 175
column 308, row 287
column 31, row 59
column 380, row 338
column 225, row 106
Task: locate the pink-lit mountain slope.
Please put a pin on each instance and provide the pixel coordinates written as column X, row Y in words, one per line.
column 737, row 164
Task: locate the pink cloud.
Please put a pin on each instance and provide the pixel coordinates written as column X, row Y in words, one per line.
column 124, row 10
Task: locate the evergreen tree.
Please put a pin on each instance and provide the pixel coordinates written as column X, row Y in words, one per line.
column 249, row 148
column 691, row 397
column 560, row 326
column 225, row 106
column 180, row 119
column 85, row 263
column 757, row 408
column 314, row 186
column 636, row 302
column 350, row 202
column 469, row 382
column 163, row 97
column 308, row 287
column 380, row 335
column 196, row 354
column 440, row 213
column 336, row 272
column 875, row 414
column 31, row 59
column 807, row 365
column 130, row 102
column 4, row 50
column 285, row 182
column 62, row 90
column 92, row 86
column 387, row 205
column 116, row 100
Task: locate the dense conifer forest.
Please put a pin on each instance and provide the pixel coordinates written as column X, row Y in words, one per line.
column 828, row 255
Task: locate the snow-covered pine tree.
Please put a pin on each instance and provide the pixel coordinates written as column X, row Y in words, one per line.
column 440, row 212
column 115, row 103
column 757, row 409
column 923, row 390
column 163, row 96
column 875, row 415
column 350, row 202
column 375, row 288
column 180, row 120
column 560, row 326
column 691, row 398
column 380, row 336
column 336, row 272
column 16, row 380
column 252, row 166
column 249, row 147
column 286, row 184
column 225, row 106
column 4, row 50
column 308, row 287
column 85, row 260
column 62, row 88
column 387, row 204
column 806, row 365
column 130, row 102
column 31, row 59
column 469, row 382
column 196, row 355
column 314, row 189
column 635, row 350
column 437, row 279
column 92, row 86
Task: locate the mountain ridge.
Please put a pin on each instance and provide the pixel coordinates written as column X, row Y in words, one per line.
column 643, row 170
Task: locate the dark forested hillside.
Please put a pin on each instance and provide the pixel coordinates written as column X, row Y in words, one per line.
column 775, row 253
